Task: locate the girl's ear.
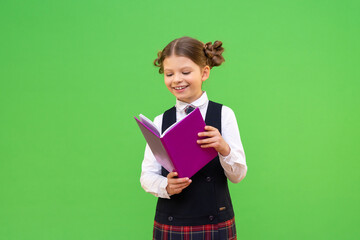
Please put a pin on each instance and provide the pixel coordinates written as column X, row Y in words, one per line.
column 205, row 73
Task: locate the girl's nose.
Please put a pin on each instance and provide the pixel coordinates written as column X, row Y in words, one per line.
column 177, row 78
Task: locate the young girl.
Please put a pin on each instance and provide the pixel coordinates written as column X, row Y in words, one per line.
column 200, row 207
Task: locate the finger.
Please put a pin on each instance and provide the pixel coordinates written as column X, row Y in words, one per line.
column 206, row 140
column 210, row 128
column 208, row 134
column 176, row 191
column 209, row 145
column 178, row 180
column 179, row 189
column 177, row 185
column 172, row 175
column 182, row 185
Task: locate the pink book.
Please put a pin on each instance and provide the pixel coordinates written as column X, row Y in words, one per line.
column 177, row 149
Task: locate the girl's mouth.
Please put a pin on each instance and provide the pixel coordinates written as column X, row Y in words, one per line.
column 180, row 88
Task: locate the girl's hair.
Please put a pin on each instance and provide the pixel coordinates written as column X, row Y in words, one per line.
column 200, row 53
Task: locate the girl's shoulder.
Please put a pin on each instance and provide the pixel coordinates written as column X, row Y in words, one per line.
column 226, row 109
column 227, row 114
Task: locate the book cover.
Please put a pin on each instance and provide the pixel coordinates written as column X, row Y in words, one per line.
column 177, row 148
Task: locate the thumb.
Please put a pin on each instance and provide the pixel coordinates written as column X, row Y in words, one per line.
column 172, row 174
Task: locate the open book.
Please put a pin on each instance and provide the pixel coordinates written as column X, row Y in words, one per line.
column 176, row 148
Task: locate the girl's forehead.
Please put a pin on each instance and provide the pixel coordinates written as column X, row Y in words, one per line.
column 174, row 62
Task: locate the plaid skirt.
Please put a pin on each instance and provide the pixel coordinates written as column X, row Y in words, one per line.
column 220, row 231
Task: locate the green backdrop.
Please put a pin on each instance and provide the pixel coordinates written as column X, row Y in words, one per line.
column 74, row 73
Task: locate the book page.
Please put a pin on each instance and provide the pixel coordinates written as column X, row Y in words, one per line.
column 169, row 128
column 174, row 124
column 156, row 146
column 149, row 124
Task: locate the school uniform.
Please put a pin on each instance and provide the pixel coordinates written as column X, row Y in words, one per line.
column 204, row 209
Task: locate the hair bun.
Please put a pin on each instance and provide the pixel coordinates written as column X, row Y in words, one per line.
column 213, row 52
column 158, row 59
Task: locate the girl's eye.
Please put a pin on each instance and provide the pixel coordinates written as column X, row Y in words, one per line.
column 169, row 75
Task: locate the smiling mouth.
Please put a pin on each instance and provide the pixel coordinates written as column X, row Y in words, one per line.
column 180, row 87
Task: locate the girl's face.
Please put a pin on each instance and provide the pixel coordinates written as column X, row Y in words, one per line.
column 184, row 78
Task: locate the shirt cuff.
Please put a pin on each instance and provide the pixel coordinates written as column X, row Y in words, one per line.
column 229, row 159
column 163, row 193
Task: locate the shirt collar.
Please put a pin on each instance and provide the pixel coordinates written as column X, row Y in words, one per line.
column 180, row 106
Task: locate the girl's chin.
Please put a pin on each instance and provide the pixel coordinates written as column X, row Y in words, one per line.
column 185, row 97
column 180, row 97
column 178, row 94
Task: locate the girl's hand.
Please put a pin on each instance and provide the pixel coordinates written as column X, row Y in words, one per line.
column 176, row 185
column 215, row 140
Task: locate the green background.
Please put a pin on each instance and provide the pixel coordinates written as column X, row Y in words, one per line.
column 74, row 73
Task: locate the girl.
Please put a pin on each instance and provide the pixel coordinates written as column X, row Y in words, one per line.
column 200, row 207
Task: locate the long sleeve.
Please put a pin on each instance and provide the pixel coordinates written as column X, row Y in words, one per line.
column 234, row 164
column 151, row 179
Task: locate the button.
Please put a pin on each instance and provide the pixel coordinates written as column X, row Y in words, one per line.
column 222, row 208
column 211, row 217
column 208, row 179
column 170, row 218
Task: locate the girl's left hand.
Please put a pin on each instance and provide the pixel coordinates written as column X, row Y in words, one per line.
column 214, row 139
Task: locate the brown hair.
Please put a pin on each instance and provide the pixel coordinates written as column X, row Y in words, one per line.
column 200, row 53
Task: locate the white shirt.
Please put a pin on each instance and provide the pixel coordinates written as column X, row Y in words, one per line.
column 234, row 164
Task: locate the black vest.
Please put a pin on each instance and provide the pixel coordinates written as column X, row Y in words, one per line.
column 207, row 199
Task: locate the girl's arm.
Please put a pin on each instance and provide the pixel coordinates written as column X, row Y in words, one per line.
column 234, row 164
column 228, row 145
column 151, row 179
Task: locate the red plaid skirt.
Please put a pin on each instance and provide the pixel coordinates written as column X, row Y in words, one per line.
column 220, row 231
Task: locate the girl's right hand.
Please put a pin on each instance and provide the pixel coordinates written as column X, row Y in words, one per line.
column 176, row 185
